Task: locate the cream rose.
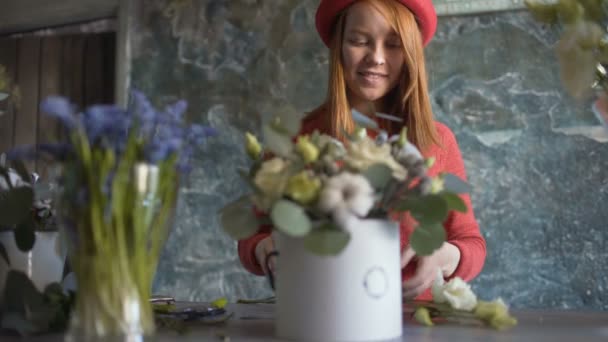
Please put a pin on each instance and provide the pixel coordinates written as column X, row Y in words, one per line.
column 364, row 153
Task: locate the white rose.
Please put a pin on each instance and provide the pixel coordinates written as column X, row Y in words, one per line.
column 271, row 179
column 456, row 292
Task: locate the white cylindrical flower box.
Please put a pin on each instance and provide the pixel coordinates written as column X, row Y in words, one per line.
column 43, row 264
column 354, row 296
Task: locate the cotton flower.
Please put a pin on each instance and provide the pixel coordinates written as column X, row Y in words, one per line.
column 364, row 153
column 303, row 187
column 347, row 193
column 456, row 292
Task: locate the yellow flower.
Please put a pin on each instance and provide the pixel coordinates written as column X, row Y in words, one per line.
column 307, row 149
column 437, row 185
column 495, row 313
column 423, row 316
column 252, row 145
column 303, row 188
column 364, row 153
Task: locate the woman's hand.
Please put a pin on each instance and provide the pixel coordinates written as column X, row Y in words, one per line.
column 446, row 259
column 263, row 248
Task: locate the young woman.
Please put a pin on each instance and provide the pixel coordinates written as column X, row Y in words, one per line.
column 377, row 64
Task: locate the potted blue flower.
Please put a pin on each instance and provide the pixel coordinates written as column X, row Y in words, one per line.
column 118, row 189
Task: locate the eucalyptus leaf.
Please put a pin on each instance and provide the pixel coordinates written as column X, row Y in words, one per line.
column 425, row 209
column 290, row 218
column 427, row 238
column 3, row 96
column 453, row 183
column 378, row 175
column 363, row 120
column 15, row 205
column 25, row 236
column 238, row 219
column 388, row 117
column 4, row 254
column 278, row 143
column 22, row 170
column 288, row 119
column 327, row 240
column 454, row 202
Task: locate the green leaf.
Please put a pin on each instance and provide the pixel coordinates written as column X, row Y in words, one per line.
column 3, row 96
column 427, row 238
column 20, row 293
column 425, row 209
column 4, row 254
column 328, row 240
column 15, row 205
column 278, row 143
column 290, row 218
column 25, row 235
column 453, row 183
column 22, row 170
column 454, row 202
column 378, row 175
column 238, row 220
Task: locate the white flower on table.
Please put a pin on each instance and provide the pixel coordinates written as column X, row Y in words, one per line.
column 346, row 193
column 456, row 292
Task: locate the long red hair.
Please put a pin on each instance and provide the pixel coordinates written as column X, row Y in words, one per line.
column 409, row 100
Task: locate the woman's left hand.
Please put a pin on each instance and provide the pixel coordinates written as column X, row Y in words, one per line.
column 446, row 259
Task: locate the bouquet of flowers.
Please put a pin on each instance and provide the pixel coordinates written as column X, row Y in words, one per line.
column 311, row 184
column 582, row 50
column 118, row 189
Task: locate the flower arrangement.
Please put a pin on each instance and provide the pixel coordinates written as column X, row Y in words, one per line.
column 117, row 195
column 310, row 185
column 582, row 50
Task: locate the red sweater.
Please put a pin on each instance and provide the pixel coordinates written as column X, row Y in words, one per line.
column 461, row 228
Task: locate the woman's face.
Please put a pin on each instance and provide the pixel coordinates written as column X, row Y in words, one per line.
column 372, row 56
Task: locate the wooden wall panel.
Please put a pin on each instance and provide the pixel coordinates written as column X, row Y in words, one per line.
column 50, row 84
column 79, row 67
column 73, row 57
column 8, row 58
column 28, row 78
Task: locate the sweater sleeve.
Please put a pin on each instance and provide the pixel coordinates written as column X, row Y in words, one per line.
column 246, row 247
column 462, row 228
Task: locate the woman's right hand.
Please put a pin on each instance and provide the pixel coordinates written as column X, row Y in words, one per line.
column 265, row 247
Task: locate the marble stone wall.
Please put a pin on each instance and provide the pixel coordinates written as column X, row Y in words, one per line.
column 537, row 160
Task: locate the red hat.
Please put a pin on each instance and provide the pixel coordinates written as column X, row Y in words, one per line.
column 423, row 10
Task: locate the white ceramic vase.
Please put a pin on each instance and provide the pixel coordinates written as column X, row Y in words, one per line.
column 43, row 264
column 354, row 296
